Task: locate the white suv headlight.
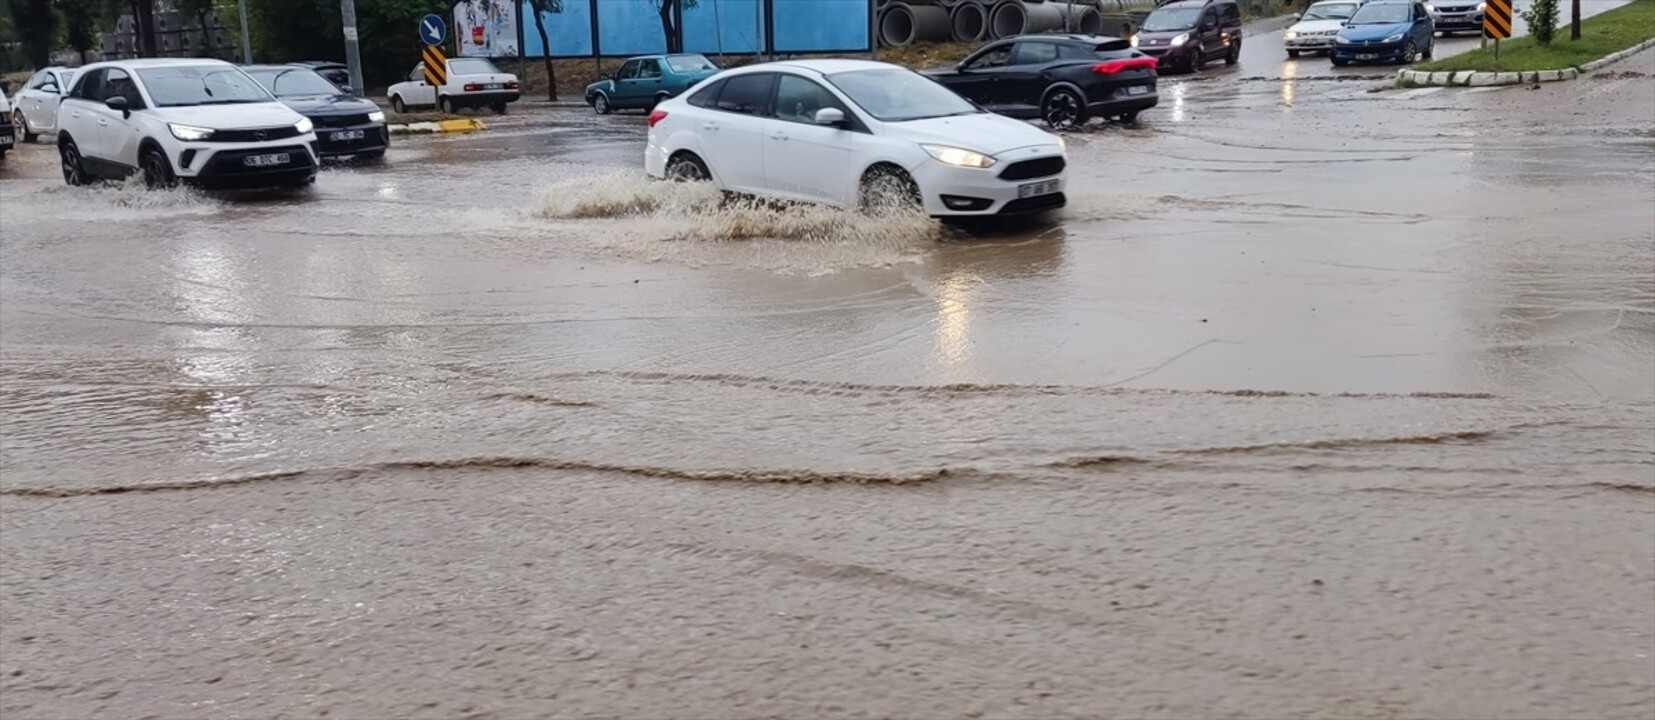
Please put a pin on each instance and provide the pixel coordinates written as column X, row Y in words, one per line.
column 304, row 126
column 958, row 157
column 189, row 133
column 377, row 116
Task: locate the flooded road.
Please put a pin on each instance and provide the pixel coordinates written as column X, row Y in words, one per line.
column 1319, row 399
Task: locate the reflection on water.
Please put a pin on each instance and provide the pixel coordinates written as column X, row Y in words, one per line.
column 1289, row 71
column 1179, row 112
column 954, row 319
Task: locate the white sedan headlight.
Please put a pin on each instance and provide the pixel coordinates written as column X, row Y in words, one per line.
column 1430, row 8
column 189, row 133
column 958, row 157
column 1180, row 40
column 1292, row 35
column 1062, row 145
column 304, row 126
column 377, row 116
column 1482, row 6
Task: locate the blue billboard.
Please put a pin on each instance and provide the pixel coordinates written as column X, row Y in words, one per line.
column 586, row 28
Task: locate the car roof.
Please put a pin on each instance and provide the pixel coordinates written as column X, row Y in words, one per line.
column 142, row 63
column 826, row 66
column 277, row 66
column 1065, row 37
column 1181, row 4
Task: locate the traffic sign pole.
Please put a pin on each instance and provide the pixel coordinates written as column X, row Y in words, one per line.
column 1497, row 23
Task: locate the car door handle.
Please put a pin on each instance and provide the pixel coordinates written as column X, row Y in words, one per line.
column 778, row 136
column 103, row 121
column 709, row 126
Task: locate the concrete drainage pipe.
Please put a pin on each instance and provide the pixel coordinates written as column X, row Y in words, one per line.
column 970, row 21
column 1021, row 18
column 904, row 24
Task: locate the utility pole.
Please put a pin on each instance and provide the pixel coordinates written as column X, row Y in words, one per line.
column 246, row 39
column 353, row 53
column 1574, row 20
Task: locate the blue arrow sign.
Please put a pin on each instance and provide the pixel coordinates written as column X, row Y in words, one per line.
column 432, row 29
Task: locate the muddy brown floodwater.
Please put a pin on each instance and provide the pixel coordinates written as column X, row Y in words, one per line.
column 1318, row 400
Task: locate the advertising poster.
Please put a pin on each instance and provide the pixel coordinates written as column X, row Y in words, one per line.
column 485, row 28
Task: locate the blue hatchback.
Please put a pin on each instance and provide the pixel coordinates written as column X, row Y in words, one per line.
column 1386, row 31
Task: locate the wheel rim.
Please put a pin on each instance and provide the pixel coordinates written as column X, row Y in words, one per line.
column 1409, row 52
column 683, row 170
column 1061, row 111
column 19, row 120
column 156, row 171
column 602, row 105
column 71, row 164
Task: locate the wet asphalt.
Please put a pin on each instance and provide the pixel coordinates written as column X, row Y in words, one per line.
column 1321, row 398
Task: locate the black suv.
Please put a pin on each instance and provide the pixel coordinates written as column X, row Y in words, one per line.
column 1062, row 79
column 1189, row 33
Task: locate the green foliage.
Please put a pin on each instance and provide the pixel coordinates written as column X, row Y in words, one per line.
column 1541, row 17
column 288, row 30
column 35, row 22
column 80, row 24
column 1600, row 35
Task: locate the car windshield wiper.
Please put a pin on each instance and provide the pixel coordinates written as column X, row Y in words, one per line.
column 228, row 101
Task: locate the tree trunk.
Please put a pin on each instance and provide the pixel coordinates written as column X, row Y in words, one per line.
column 667, row 29
column 143, row 17
column 1574, row 22
column 546, row 50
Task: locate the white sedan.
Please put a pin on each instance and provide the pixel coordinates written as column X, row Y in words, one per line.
column 852, row 133
column 472, row 83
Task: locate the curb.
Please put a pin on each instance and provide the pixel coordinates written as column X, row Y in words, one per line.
column 1472, row 78
column 462, row 125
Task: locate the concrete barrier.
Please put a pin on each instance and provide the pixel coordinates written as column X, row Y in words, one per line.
column 1471, row 78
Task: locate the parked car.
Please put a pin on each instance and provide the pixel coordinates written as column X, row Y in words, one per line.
column 202, row 122
column 34, row 110
column 346, row 125
column 641, row 82
column 1454, row 16
column 334, row 72
column 1190, row 33
column 1386, row 31
column 472, row 83
column 1062, row 79
column 8, row 136
column 854, row 133
column 1315, row 29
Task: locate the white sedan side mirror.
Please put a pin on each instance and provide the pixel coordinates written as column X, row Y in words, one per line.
column 830, row 116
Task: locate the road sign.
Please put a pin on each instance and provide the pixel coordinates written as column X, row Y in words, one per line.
column 1497, row 19
column 432, row 29
column 436, row 66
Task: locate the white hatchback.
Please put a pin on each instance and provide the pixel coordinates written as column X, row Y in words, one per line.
column 853, row 133
column 204, row 122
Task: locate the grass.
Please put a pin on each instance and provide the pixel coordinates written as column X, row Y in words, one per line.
column 1600, row 35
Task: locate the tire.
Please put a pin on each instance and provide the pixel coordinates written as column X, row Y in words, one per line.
column 1234, row 56
column 1430, row 49
column 601, row 104
column 663, row 97
column 686, row 167
column 1198, row 60
column 1410, row 52
column 446, row 105
column 499, row 108
column 157, row 169
column 1129, row 118
column 1293, row 53
column 1063, row 109
column 22, row 122
column 398, row 105
column 887, row 190
column 74, row 172
column 373, row 156
column 1338, row 62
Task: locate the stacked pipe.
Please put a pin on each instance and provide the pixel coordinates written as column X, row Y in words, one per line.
column 1017, row 17
column 970, row 21
column 905, row 23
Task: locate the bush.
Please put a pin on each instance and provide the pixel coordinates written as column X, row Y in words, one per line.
column 1542, row 20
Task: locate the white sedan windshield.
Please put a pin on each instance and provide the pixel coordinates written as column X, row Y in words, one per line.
column 895, row 94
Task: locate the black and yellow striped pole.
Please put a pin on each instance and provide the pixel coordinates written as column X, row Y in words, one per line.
column 1497, row 22
column 436, row 67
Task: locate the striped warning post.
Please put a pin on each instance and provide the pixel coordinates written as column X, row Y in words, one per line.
column 1497, row 19
column 436, row 66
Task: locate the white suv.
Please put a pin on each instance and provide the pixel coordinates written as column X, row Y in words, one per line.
column 203, row 122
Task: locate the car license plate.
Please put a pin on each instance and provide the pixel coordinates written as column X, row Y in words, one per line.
column 271, row 160
column 1040, row 188
column 493, row 86
column 1137, row 90
column 5, row 139
column 1366, row 56
column 343, row 135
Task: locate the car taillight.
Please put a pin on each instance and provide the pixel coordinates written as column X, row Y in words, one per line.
column 512, row 85
column 472, row 87
column 656, row 116
column 1114, row 66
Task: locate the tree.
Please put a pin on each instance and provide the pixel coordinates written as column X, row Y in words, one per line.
column 80, row 32
column 672, row 13
column 540, row 8
column 1541, row 18
column 35, row 22
column 202, row 11
column 1574, row 20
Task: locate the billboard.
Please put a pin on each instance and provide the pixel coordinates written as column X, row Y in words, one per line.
column 486, row 28
column 617, row 28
